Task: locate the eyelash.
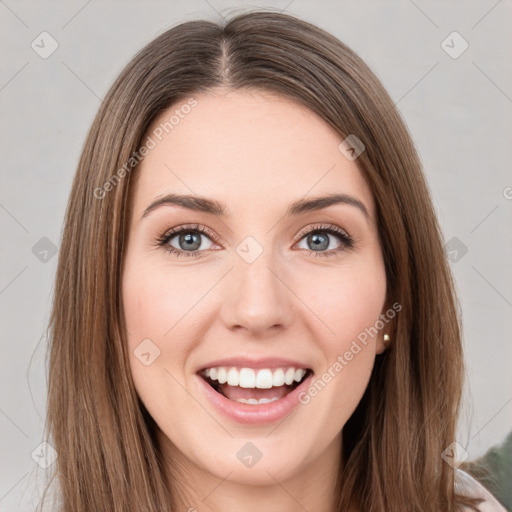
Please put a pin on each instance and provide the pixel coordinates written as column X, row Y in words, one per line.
column 163, row 241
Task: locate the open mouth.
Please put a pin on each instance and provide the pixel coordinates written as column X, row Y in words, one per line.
column 249, row 386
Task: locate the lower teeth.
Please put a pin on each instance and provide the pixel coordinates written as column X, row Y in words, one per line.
column 253, row 401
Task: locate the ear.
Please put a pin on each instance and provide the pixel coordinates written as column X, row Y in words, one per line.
column 380, row 346
column 382, row 342
column 385, row 334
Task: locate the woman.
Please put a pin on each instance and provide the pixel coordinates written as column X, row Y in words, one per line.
column 252, row 306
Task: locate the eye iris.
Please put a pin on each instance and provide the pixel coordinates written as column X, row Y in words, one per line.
column 319, row 241
column 190, row 238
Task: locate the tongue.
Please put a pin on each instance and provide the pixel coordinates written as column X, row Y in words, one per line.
column 236, row 392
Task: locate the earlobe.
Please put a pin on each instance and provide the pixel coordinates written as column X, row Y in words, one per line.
column 382, row 343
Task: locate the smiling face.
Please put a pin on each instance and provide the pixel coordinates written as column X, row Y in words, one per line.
column 260, row 285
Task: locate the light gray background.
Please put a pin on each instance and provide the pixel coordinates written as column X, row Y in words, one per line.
column 458, row 111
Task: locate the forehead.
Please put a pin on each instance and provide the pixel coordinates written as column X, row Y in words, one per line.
column 248, row 149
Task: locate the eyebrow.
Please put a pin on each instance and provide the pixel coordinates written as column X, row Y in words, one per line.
column 213, row 207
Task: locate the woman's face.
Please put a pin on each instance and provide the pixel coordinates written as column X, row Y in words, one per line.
column 259, row 288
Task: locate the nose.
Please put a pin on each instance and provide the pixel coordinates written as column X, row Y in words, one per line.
column 258, row 299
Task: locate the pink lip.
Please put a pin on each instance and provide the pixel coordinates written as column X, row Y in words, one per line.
column 255, row 414
column 245, row 362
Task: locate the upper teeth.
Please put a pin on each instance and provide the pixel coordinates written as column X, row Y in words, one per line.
column 249, row 378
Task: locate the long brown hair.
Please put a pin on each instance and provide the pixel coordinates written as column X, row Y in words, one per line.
column 108, row 458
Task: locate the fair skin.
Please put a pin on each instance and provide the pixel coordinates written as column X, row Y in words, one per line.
column 255, row 153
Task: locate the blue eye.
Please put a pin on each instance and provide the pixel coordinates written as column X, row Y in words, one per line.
column 318, row 240
column 187, row 241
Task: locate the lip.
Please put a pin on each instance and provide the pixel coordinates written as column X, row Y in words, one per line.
column 247, row 362
column 255, row 414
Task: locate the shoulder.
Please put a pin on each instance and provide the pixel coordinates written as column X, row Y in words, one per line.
column 466, row 484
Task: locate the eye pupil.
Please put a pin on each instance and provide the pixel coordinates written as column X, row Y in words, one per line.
column 320, row 241
column 190, row 238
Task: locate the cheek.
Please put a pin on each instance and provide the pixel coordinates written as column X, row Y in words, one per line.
column 149, row 304
column 156, row 303
column 350, row 306
column 347, row 300
column 153, row 307
column 144, row 303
